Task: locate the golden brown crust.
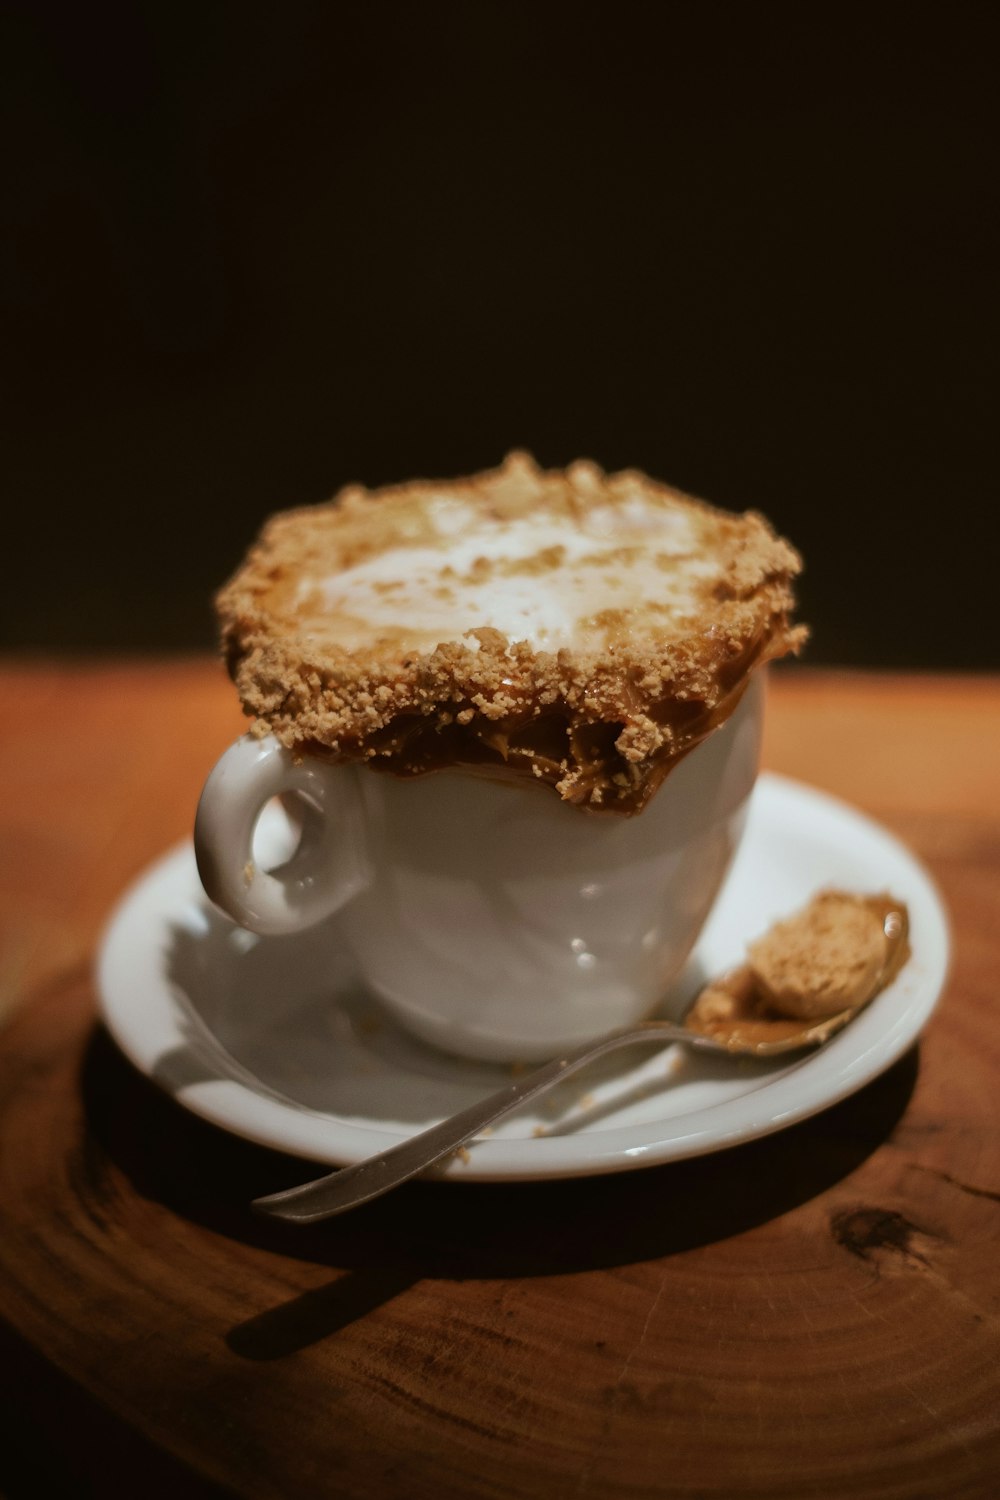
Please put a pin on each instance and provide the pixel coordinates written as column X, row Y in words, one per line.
column 826, row 958
column 601, row 720
column 816, row 967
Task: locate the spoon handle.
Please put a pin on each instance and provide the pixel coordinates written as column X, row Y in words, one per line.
column 350, row 1186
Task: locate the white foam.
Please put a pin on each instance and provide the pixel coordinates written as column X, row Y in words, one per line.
column 432, row 593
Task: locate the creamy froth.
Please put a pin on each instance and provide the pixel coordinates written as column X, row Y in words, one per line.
column 536, row 578
column 572, row 628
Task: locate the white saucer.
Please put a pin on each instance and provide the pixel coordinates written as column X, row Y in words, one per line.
column 274, row 1039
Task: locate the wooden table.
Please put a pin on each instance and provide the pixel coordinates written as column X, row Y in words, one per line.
column 815, row 1314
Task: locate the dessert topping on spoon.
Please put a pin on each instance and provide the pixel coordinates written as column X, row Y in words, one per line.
column 820, row 965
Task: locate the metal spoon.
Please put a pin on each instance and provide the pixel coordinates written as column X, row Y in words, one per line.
column 351, row 1186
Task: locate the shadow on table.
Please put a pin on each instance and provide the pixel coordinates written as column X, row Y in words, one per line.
column 469, row 1231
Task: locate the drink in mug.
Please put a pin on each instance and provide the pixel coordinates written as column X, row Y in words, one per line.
column 520, row 713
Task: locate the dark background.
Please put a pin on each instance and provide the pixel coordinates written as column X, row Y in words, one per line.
column 252, row 252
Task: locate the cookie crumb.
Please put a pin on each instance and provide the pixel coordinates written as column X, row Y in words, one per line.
column 824, row 959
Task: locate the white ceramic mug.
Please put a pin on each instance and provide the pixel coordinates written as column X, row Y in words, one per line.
column 492, row 919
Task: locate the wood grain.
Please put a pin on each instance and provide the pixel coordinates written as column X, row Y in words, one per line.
column 813, row 1314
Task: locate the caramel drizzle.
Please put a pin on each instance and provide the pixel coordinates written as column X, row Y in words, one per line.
column 555, row 745
column 754, row 1022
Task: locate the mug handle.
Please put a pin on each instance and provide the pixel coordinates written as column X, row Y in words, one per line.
column 327, row 869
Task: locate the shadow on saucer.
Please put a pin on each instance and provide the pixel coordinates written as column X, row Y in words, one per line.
column 289, row 1019
column 445, row 1230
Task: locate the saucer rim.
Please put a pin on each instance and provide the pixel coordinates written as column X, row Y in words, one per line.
column 254, row 1113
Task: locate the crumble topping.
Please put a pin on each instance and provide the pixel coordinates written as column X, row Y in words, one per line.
column 824, row 959
column 821, row 964
column 577, row 628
